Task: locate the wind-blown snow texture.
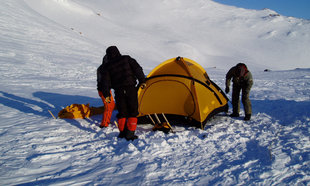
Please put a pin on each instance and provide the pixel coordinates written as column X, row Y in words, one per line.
column 50, row 50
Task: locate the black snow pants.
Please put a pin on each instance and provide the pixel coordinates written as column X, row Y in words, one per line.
column 126, row 101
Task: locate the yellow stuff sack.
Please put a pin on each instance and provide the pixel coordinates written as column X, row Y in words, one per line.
column 82, row 111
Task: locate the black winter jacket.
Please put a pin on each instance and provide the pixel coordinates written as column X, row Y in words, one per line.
column 99, row 74
column 119, row 72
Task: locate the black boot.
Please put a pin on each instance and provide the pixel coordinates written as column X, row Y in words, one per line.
column 233, row 115
column 121, row 134
column 130, row 135
column 247, row 117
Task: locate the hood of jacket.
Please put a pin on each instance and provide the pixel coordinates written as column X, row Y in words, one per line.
column 112, row 53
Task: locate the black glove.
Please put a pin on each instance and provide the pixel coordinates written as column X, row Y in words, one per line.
column 227, row 90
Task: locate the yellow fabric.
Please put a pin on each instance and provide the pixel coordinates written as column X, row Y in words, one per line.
column 82, row 111
column 170, row 89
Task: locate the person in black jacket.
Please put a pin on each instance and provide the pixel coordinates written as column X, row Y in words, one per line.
column 121, row 73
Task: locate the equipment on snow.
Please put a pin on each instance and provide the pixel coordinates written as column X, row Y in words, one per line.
column 161, row 126
column 82, row 111
column 167, row 122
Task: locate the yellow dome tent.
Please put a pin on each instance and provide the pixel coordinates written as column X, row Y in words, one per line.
column 181, row 88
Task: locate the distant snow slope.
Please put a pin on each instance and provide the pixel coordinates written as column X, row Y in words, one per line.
column 208, row 32
column 49, row 52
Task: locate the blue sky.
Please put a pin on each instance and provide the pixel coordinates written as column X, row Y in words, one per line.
column 295, row 8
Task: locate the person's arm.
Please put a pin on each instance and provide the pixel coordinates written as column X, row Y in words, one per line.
column 138, row 71
column 249, row 80
column 105, row 84
column 229, row 75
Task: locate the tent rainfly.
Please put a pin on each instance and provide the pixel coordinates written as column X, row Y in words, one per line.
column 182, row 90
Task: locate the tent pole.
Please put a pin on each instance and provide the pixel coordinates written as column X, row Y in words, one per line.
column 151, row 119
column 157, row 118
column 167, row 122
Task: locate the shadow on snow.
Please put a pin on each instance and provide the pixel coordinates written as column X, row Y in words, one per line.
column 284, row 111
column 50, row 101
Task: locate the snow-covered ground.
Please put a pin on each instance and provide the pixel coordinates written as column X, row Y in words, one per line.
column 49, row 53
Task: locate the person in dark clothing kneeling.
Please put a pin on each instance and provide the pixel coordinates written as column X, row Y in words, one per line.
column 121, row 73
column 242, row 81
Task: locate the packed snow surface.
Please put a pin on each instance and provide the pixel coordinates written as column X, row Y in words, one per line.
column 50, row 50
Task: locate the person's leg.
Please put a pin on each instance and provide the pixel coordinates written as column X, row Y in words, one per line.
column 132, row 102
column 246, row 103
column 120, row 98
column 122, row 127
column 131, row 126
column 121, row 103
column 236, row 100
column 132, row 107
